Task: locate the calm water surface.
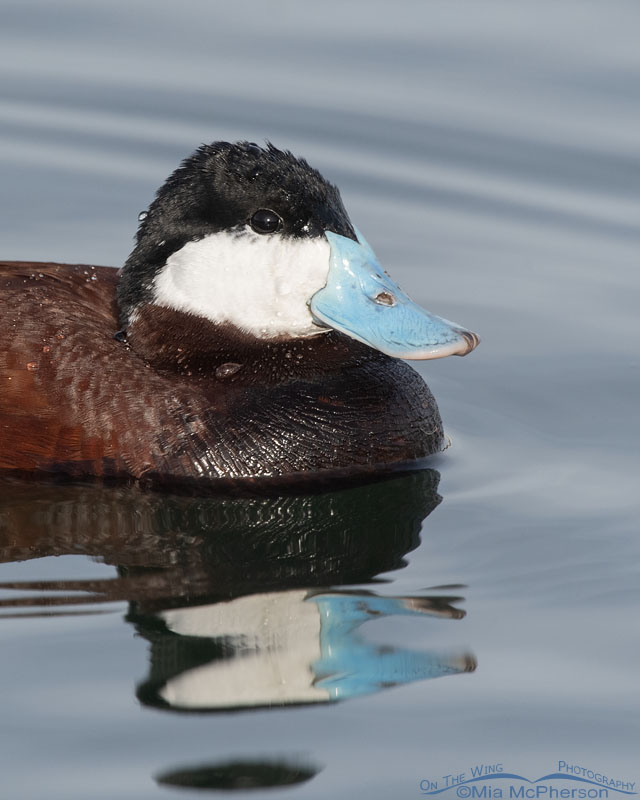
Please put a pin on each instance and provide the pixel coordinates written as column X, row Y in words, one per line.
column 359, row 641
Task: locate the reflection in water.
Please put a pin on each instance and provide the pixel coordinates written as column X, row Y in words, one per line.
column 238, row 596
column 279, row 648
column 239, row 775
column 169, row 549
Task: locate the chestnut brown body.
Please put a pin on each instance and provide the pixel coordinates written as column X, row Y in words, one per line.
column 184, row 400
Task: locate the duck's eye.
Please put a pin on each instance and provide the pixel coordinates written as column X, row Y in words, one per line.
column 265, row 221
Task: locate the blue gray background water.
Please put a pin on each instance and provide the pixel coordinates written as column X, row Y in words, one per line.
column 490, row 154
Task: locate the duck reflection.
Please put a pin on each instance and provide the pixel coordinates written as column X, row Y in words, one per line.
column 282, row 648
column 231, row 592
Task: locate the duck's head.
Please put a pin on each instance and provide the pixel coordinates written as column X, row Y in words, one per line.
column 255, row 239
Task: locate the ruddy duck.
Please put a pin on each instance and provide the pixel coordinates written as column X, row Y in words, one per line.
column 251, row 335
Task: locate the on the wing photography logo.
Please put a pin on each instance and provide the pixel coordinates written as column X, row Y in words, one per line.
column 568, row 781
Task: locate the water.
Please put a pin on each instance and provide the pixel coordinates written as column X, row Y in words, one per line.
column 489, row 152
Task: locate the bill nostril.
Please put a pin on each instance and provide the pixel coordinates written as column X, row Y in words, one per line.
column 385, row 299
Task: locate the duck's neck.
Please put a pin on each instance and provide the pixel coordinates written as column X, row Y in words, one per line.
column 196, row 348
column 297, row 407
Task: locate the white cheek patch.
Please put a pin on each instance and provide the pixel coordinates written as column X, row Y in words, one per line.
column 259, row 283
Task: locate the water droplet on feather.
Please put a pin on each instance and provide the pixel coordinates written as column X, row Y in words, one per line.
column 226, row 370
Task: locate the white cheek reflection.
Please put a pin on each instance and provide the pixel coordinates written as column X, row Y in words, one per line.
column 277, row 638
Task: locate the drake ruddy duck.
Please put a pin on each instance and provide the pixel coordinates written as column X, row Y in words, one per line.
column 251, row 334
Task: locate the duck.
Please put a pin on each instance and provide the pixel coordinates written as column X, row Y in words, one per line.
column 251, row 338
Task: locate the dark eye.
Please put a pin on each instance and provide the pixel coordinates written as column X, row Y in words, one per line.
column 265, row 221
